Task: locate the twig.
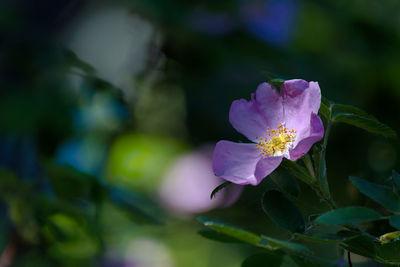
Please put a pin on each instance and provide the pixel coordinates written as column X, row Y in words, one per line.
column 349, row 259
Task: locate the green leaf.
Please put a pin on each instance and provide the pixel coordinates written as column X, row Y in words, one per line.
column 395, row 221
column 283, row 211
column 320, row 167
column 231, row 231
column 389, row 237
column 251, row 238
column 389, row 252
column 219, row 188
column 348, row 215
column 396, row 179
column 359, row 118
column 324, row 111
column 323, row 238
column 362, row 245
column 298, row 171
column 290, row 246
column 380, row 193
column 217, row 236
column 263, row 259
column 286, row 183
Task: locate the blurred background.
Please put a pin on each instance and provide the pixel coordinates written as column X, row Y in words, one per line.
column 109, row 112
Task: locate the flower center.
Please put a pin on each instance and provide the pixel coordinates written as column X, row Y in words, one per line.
column 276, row 141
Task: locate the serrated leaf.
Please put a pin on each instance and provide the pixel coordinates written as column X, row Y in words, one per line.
column 219, row 188
column 349, row 215
column 394, row 221
column 298, row 171
column 263, row 259
column 359, row 118
column 231, row 230
column 217, row 236
column 283, row 211
column 380, row 193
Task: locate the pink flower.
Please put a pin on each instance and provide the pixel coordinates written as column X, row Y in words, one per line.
column 280, row 125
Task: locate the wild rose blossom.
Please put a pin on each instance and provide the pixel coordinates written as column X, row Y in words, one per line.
column 279, row 125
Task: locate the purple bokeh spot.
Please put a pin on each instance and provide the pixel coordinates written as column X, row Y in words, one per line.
column 271, row 21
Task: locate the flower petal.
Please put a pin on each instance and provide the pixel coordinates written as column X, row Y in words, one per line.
column 269, row 104
column 251, row 118
column 265, row 166
column 246, row 119
column 307, row 138
column 300, row 99
column 236, row 162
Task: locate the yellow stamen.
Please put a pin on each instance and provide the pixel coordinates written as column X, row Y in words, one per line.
column 276, row 142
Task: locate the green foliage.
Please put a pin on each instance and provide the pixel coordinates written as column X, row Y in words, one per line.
column 349, row 215
column 283, row 211
column 396, row 179
column 298, row 171
column 232, row 231
column 382, row 194
column 324, row 111
column 394, row 221
column 251, row 238
column 286, row 183
column 359, row 118
column 218, row 236
column 323, row 237
column 263, row 259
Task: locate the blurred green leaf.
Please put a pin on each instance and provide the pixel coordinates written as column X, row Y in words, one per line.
column 396, row 179
column 362, row 245
column 262, row 260
column 289, row 246
column 359, row 118
column 230, row 230
column 283, row 211
column 65, row 177
column 251, row 238
column 217, row 236
column 395, row 221
column 301, row 261
column 73, row 60
column 298, row 171
column 349, row 215
column 389, row 252
column 323, row 238
column 389, row 237
column 218, row 188
column 140, row 209
column 382, row 194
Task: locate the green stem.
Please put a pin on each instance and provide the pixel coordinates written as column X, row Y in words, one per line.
column 327, row 132
column 309, row 166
